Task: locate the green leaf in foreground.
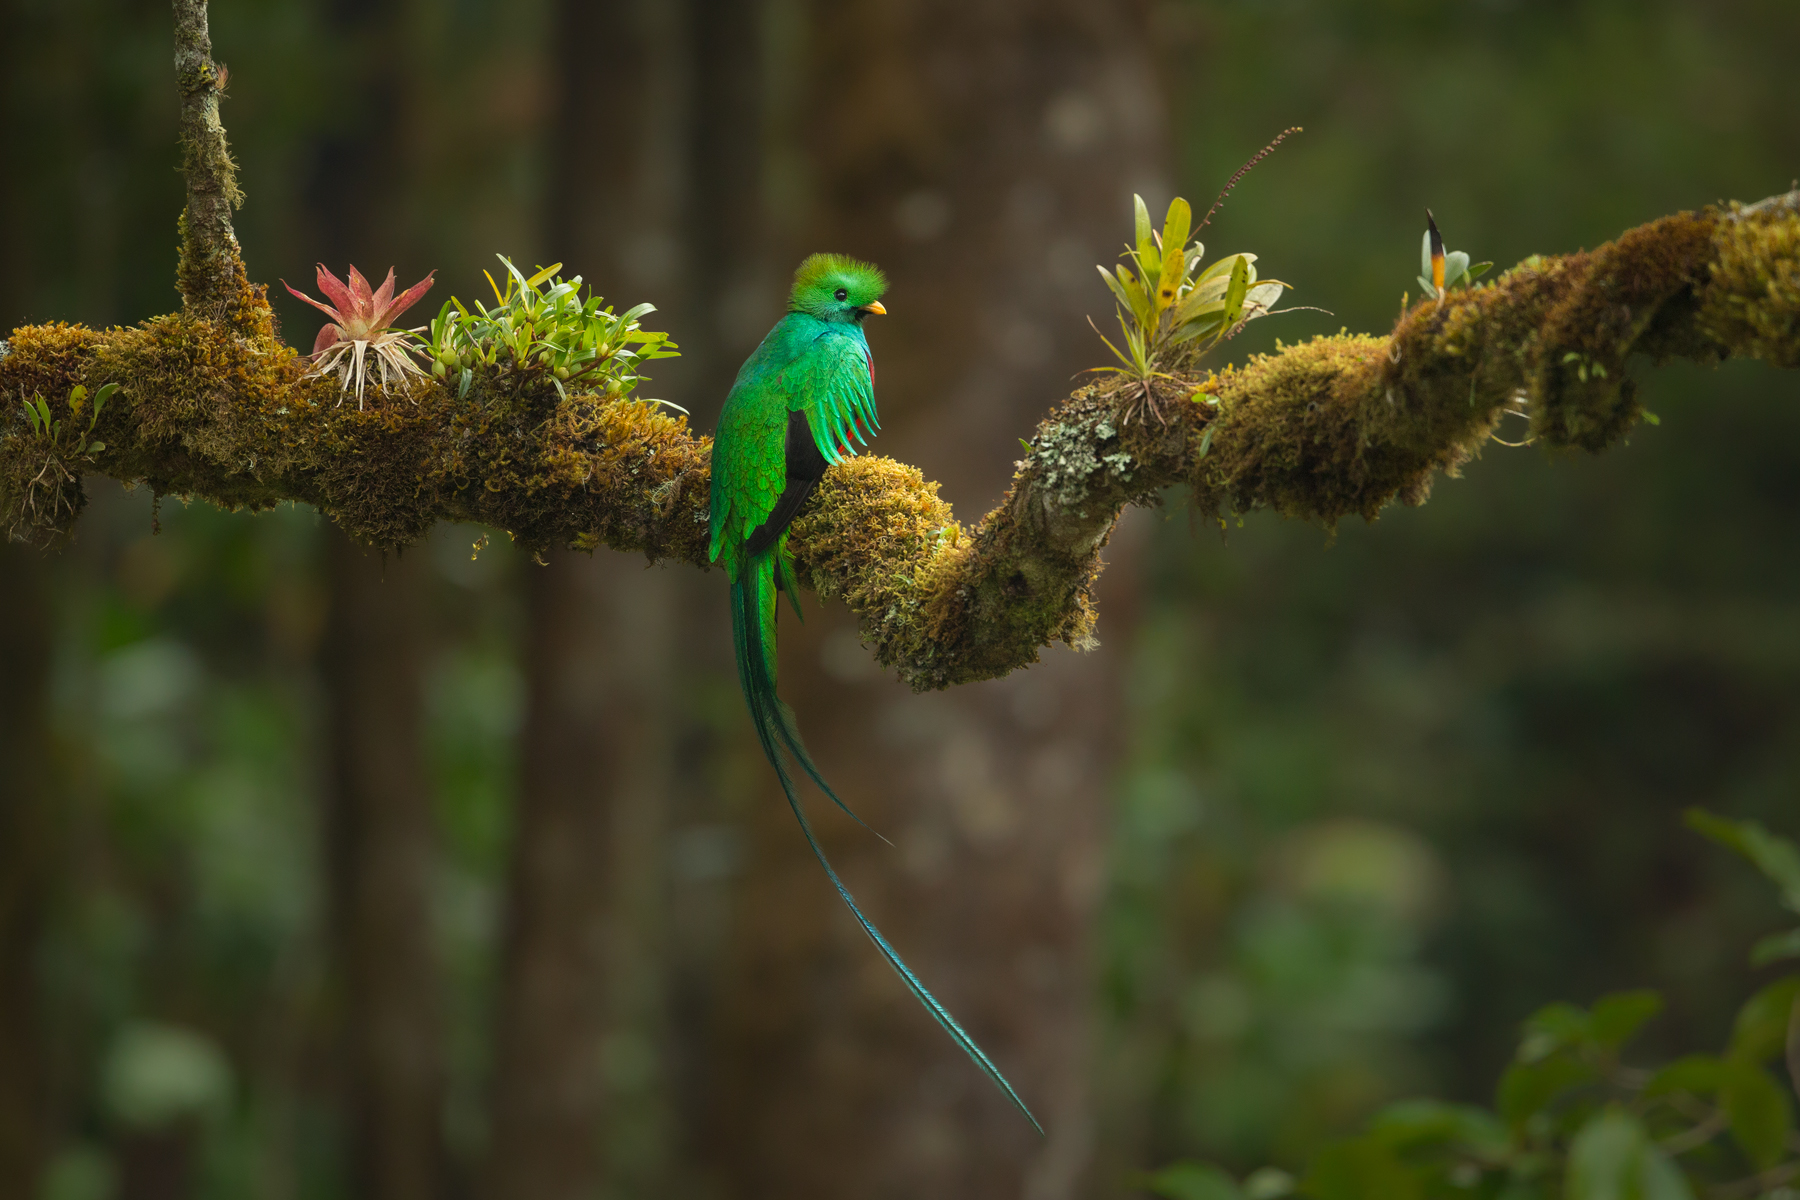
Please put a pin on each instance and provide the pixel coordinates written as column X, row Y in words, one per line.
column 1613, row 1158
column 1192, row 1181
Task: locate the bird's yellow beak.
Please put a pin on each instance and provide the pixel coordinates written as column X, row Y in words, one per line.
column 874, row 306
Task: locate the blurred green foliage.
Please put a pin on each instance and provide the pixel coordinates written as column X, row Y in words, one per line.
column 1571, row 1119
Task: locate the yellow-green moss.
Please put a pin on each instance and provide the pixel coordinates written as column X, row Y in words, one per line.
column 1329, row 428
column 879, row 537
column 1751, row 304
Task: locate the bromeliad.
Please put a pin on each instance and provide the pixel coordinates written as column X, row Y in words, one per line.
column 361, row 322
column 799, row 403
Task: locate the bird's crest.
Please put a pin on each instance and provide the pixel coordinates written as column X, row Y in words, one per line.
column 820, row 278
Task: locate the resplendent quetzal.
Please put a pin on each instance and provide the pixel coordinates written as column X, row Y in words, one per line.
column 800, row 400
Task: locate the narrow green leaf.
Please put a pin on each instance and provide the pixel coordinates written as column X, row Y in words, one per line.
column 1176, row 225
column 1169, row 279
column 1223, row 267
column 1118, row 289
column 1206, row 441
column 1141, row 214
column 1477, row 270
column 1425, row 254
column 1234, row 294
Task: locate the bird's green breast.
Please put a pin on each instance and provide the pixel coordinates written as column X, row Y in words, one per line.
column 800, row 361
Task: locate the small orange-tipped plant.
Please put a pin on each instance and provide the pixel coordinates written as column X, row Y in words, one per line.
column 363, row 322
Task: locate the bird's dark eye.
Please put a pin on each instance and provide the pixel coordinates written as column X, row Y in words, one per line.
column 843, row 294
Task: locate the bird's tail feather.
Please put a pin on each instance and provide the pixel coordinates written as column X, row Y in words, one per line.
column 753, row 634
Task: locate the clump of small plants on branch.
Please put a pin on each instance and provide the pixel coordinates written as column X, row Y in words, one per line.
column 1572, row 1119
column 541, row 327
column 1171, row 312
column 1439, row 269
column 62, row 440
column 362, row 323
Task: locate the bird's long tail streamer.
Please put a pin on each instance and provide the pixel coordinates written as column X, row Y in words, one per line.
column 753, row 636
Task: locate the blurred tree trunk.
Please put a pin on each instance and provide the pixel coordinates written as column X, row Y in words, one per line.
column 380, row 826
column 595, row 768
column 381, row 852
column 985, row 155
column 580, row 1096
column 26, row 847
column 25, row 833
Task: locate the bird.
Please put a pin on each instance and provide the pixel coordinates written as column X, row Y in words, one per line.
column 803, row 401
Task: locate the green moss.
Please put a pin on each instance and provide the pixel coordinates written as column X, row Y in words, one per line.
column 1751, row 304
column 1580, row 392
column 879, row 537
column 1329, row 428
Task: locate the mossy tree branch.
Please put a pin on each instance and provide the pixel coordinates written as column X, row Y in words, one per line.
column 211, row 406
column 212, row 278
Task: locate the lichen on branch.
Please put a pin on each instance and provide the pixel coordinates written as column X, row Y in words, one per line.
column 210, row 405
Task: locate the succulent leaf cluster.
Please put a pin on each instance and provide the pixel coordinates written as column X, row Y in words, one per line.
column 541, row 324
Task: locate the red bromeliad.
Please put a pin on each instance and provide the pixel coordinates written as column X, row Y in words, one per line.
column 363, row 320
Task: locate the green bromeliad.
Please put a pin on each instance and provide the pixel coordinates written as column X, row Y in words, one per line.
column 803, row 400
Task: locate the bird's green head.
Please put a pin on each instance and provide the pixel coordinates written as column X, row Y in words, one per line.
column 832, row 287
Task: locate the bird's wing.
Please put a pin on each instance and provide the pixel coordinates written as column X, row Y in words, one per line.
column 748, row 465
column 838, row 395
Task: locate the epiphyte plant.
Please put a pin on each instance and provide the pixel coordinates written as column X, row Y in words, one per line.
column 542, row 324
column 362, row 322
column 48, row 427
column 1440, row 271
column 1169, row 306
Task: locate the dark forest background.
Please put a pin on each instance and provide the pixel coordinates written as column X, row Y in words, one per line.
column 332, row 874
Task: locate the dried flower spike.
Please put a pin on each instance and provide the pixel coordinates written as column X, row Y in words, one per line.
column 363, row 321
